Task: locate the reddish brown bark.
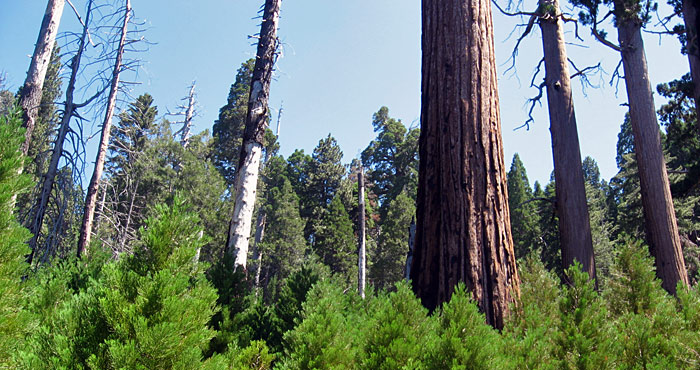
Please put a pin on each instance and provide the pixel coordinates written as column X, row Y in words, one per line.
column 91, row 197
column 463, row 224
column 572, row 208
column 30, row 97
column 659, row 216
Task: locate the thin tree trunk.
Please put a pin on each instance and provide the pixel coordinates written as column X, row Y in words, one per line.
column 411, row 244
column 50, row 177
column 91, row 197
column 256, row 123
column 659, row 216
column 189, row 115
column 30, row 97
column 691, row 13
column 574, row 221
column 463, row 223
column 257, row 252
column 362, row 258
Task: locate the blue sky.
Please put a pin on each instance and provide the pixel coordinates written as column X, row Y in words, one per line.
column 342, row 61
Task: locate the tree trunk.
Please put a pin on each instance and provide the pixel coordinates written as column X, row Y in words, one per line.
column 659, row 217
column 91, row 197
column 411, row 243
column 574, row 221
column 256, row 123
column 189, row 115
column 50, row 177
column 691, row 12
column 30, row 97
column 463, row 227
column 362, row 258
column 257, row 252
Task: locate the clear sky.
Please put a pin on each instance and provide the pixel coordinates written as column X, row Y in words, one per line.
column 342, row 61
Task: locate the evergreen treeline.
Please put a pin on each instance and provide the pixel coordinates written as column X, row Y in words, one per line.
column 160, row 290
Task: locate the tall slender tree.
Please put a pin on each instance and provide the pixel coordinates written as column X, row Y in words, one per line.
column 30, row 96
column 253, row 138
column 691, row 12
column 463, row 227
column 574, row 222
column 91, row 197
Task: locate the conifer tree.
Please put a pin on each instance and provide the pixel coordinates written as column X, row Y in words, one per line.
column 335, row 241
column 388, row 261
column 14, row 320
column 523, row 214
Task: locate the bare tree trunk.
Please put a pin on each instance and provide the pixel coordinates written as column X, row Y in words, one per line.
column 256, row 123
column 411, row 247
column 257, row 252
column 691, row 12
column 659, row 216
column 189, row 115
column 91, row 197
column 69, row 109
column 463, row 223
column 572, row 208
column 362, row 258
column 30, row 97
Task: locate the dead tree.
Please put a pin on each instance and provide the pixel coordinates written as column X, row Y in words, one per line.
column 189, row 112
column 253, row 138
column 572, row 207
column 361, row 258
column 30, row 96
column 463, row 224
column 91, row 197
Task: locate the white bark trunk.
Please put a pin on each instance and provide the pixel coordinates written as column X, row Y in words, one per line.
column 189, row 115
column 246, row 189
column 256, row 123
column 362, row 258
column 34, row 84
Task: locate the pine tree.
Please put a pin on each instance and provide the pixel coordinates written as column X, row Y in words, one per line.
column 389, row 258
column 522, row 209
column 14, row 320
column 335, row 242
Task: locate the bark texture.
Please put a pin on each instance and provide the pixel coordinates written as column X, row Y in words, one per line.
column 49, row 179
column 189, row 115
column 256, row 123
column 659, row 216
column 30, row 97
column 572, row 207
column 93, row 187
column 463, row 227
column 691, row 12
column 362, row 258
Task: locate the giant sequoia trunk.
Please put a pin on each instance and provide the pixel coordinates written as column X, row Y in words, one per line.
column 572, row 209
column 659, row 217
column 49, row 179
column 91, row 197
column 691, row 12
column 463, row 226
column 256, row 123
column 30, row 97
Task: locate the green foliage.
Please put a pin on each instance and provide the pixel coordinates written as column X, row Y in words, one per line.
column 389, row 257
column 14, row 321
column 523, row 211
column 335, row 241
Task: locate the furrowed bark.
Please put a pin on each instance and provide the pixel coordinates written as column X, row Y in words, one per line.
column 691, row 14
column 463, row 224
column 659, row 216
column 30, row 97
column 572, row 208
column 50, row 177
column 411, row 243
column 91, row 197
column 361, row 258
column 256, row 123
